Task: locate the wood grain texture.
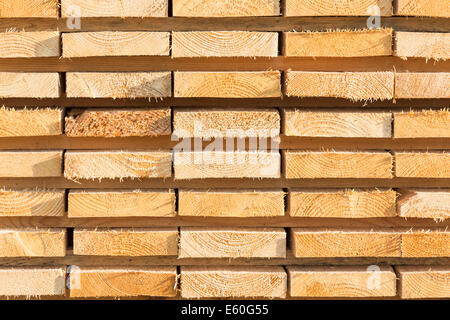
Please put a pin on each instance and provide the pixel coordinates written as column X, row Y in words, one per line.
column 30, row 122
column 29, row 44
column 233, row 282
column 422, row 164
column 355, row 86
column 29, row 85
column 116, row 8
column 424, row 282
column 424, row 203
column 261, row 84
column 341, row 282
column 95, row 282
column 126, row 242
column 344, row 164
column 117, row 164
column 29, row 9
column 426, row 45
column 342, row 203
column 225, row 8
column 426, row 243
column 422, row 85
column 132, row 203
column 30, row 164
column 33, row 242
column 422, row 8
column 422, row 124
column 336, row 8
column 31, row 203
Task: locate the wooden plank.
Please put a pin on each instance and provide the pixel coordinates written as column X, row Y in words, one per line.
column 233, row 282
column 232, row 243
column 355, row 86
column 422, row 85
column 29, row 44
column 342, row 203
column 106, row 43
column 222, row 164
column 336, row 8
column 422, row 164
column 118, row 84
column 133, row 203
column 117, row 164
column 126, row 242
column 426, row 45
column 230, row 203
column 225, row 8
column 316, row 243
column 337, row 124
column 422, row 8
column 261, row 84
column 339, row 43
column 31, row 203
column 29, row 85
column 224, row 44
column 33, row 242
column 343, row 164
column 30, row 164
column 119, row 123
column 29, row 9
column 115, row 8
column 426, row 243
column 341, row 282
column 226, row 122
column 95, row 282
column 424, row 282
column 422, row 124
column 30, row 122
column 424, row 203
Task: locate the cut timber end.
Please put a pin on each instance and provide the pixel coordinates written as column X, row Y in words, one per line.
column 341, row 282
column 341, row 43
column 29, row 85
column 426, row 244
column 89, row 44
column 337, row 124
column 423, row 8
column 261, row 84
column 431, row 204
column 233, row 282
column 342, row 204
column 29, row 44
column 118, row 84
column 355, row 86
column 311, row 164
column 113, row 204
column 126, row 242
column 422, row 164
column 33, row 242
column 117, row 164
column 317, row 243
column 30, row 122
column 89, row 282
column 232, row 243
column 337, row 8
column 422, row 85
column 424, row 282
column 119, row 123
column 225, row 8
column 31, row 203
column 30, row 164
column 425, row 124
column 241, row 203
column 116, row 8
column 422, row 45
column 220, row 164
column 29, row 9
column 224, row 44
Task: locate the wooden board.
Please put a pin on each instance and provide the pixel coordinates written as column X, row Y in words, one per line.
column 422, row 85
column 426, row 45
column 426, row 243
column 29, row 8
column 231, row 203
column 119, row 123
column 349, row 85
column 261, row 84
column 106, row 43
column 232, row 243
column 33, row 242
column 29, row 85
column 222, row 164
column 225, row 8
column 126, row 242
column 422, row 124
column 317, row 243
column 31, row 164
column 422, row 8
column 118, row 84
column 424, row 282
column 422, row 164
column 424, row 203
column 224, row 44
column 116, row 8
column 336, row 8
column 344, row 164
column 337, row 124
column 122, row 203
column 90, row 282
column 233, row 282
column 30, row 122
column 342, row 282
column 117, row 164
column 342, row 203
column 31, row 203
column 29, row 44
column 339, row 43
